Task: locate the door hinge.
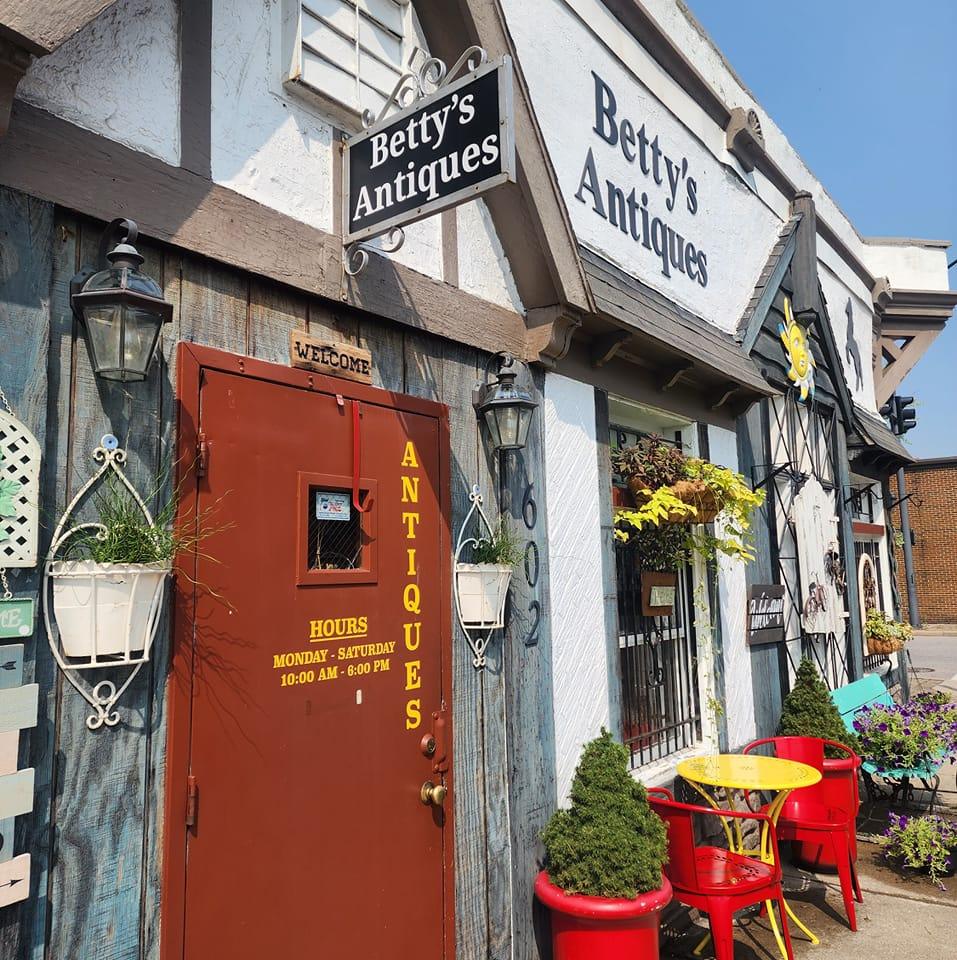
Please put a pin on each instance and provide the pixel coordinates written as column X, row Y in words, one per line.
column 192, row 801
column 202, row 455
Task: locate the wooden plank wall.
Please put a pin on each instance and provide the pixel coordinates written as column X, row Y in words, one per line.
column 96, row 834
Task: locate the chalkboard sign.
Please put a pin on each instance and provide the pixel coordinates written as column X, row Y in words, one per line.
column 442, row 150
column 765, row 613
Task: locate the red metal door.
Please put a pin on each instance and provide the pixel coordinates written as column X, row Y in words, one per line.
column 317, row 670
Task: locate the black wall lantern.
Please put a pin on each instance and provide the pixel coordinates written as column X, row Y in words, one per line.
column 504, row 407
column 122, row 310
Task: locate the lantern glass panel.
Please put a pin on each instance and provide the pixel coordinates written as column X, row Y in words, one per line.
column 524, row 422
column 508, row 422
column 491, row 422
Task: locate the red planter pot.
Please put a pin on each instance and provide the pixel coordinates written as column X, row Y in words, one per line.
column 600, row 928
column 838, row 788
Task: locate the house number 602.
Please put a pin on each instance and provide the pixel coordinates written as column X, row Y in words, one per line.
column 532, row 564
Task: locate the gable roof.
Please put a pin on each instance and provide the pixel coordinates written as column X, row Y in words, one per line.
column 768, row 282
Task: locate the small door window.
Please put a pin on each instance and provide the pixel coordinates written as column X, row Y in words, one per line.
column 336, row 540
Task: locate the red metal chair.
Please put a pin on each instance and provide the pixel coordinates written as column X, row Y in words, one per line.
column 823, row 815
column 717, row 881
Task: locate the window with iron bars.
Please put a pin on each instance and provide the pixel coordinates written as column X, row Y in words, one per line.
column 661, row 710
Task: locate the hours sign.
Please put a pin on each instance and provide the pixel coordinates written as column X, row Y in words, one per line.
column 444, row 149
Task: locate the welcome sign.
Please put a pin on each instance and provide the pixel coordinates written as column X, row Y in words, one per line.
column 444, row 149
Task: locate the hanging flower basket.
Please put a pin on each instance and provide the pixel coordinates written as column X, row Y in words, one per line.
column 482, row 591
column 106, row 609
column 693, row 492
column 884, row 645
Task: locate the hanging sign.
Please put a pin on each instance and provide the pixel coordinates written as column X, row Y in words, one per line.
column 333, row 359
column 16, row 618
column 765, row 613
column 440, row 151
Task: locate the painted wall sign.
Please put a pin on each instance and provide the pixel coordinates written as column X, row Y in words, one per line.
column 446, row 148
column 660, row 183
column 765, row 613
column 333, row 359
column 332, row 505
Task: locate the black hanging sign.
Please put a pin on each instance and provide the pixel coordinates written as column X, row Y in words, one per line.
column 765, row 613
column 440, row 151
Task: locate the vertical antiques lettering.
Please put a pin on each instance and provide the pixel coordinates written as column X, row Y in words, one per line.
column 411, row 594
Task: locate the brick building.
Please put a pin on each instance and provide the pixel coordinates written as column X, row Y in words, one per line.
column 933, row 516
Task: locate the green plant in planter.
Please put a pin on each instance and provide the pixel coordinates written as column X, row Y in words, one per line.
column 927, row 843
column 884, row 633
column 609, row 843
column 503, row 547
column 809, row 711
column 651, row 461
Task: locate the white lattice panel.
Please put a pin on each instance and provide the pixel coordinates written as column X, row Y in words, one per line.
column 20, row 465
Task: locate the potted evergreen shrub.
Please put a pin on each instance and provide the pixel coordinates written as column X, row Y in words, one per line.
column 482, row 584
column 603, row 881
column 809, row 711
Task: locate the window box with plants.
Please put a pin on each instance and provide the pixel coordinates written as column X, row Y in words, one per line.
column 482, row 584
column 809, row 711
column 107, row 589
column 603, row 882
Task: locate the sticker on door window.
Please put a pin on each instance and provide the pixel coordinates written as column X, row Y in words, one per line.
column 333, row 506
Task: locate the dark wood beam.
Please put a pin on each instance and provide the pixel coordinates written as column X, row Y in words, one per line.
column 724, row 394
column 673, row 374
column 606, row 345
column 54, row 160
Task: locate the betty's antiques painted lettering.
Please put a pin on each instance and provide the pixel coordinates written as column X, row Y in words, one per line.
column 333, row 359
column 632, row 210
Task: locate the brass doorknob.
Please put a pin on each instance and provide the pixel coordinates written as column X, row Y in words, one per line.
column 433, row 793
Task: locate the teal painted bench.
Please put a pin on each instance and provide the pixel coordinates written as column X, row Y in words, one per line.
column 868, row 692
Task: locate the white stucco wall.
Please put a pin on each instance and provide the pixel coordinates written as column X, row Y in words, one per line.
column 909, row 265
column 559, row 51
column 838, row 290
column 579, row 649
column 118, row 77
column 733, row 593
column 275, row 145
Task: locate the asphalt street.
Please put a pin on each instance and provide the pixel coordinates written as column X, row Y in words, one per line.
column 934, row 657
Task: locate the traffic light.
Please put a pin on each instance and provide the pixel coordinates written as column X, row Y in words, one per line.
column 906, row 414
column 901, row 414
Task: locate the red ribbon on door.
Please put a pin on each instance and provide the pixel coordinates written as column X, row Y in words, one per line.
column 356, row 456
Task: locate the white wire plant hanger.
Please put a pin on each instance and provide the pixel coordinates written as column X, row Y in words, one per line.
column 481, row 589
column 101, row 615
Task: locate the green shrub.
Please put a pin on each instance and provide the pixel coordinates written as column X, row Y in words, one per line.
column 609, row 843
column 809, row 711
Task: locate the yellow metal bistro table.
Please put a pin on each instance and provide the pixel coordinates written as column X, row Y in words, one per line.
column 751, row 773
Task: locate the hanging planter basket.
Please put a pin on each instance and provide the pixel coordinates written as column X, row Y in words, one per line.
column 881, row 646
column 483, row 590
column 101, row 615
column 106, row 610
column 693, row 492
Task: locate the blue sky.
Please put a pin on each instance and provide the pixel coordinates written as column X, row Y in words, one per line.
column 866, row 91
